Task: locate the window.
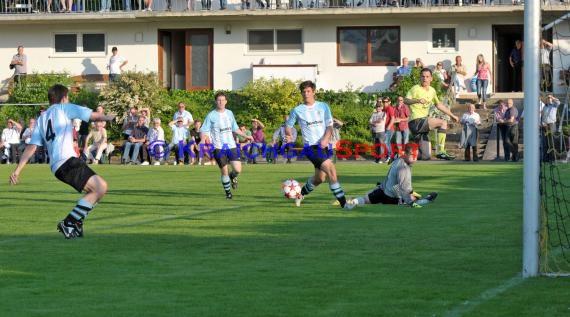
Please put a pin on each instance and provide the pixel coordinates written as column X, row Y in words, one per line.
column 443, row 38
column 93, row 42
column 65, row 43
column 364, row 46
column 80, row 43
column 275, row 40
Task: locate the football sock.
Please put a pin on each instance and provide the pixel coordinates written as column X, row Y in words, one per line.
column 226, row 184
column 80, row 211
column 441, row 134
column 308, row 187
column 360, row 201
column 338, row 193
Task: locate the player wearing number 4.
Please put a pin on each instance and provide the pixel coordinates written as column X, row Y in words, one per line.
column 396, row 188
column 316, row 123
column 54, row 130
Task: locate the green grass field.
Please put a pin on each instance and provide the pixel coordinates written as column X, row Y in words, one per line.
column 165, row 242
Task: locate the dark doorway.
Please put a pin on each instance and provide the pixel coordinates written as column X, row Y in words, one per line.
column 504, row 37
column 185, row 58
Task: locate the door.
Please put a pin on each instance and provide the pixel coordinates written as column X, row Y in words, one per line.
column 185, row 59
column 504, row 37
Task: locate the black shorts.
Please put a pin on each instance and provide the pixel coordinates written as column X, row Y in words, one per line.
column 419, row 126
column 224, row 156
column 317, row 155
column 377, row 196
column 75, row 173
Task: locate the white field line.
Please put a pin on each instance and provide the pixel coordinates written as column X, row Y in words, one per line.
column 132, row 224
column 487, row 295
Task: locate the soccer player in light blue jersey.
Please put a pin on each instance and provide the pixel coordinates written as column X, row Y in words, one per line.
column 218, row 129
column 316, row 123
column 54, row 131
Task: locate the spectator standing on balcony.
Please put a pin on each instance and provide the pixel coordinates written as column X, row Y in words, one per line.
column 116, row 62
column 516, row 60
column 148, row 5
column 458, row 71
column 483, row 72
column 206, row 4
column 105, row 6
column 20, row 64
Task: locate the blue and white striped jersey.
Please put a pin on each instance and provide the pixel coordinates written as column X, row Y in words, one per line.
column 54, row 130
column 220, row 126
column 313, row 121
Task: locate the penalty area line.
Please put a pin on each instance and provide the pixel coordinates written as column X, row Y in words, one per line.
column 487, row 295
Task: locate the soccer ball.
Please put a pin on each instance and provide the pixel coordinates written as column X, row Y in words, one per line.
column 291, row 189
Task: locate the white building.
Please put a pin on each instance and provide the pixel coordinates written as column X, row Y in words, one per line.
column 358, row 47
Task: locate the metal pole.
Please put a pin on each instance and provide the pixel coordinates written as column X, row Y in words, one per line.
column 531, row 200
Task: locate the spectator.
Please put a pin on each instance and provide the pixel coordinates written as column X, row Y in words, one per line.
column 242, row 139
column 390, row 118
column 516, row 61
column 11, row 141
column 483, row 72
column 156, row 133
column 419, row 64
column 548, row 122
column 459, row 72
column 145, row 112
column 401, row 122
column 188, row 120
column 441, row 73
column 470, row 134
column 377, row 124
column 20, row 65
column 117, row 62
column 148, row 7
column 335, row 136
column 204, row 157
column 206, row 4
column 510, row 132
column 404, row 69
column 179, row 140
column 105, row 6
column 136, row 141
column 258, row 139
column 82, row 134
column 130, row 122
column 546, row 67
column 25, row 138
column 280, row 138
column 101, row 110
column 99, row 136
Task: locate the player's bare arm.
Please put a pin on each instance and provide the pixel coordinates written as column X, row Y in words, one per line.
column 325, row 140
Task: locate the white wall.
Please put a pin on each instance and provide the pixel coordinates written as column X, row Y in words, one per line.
column 232, row 61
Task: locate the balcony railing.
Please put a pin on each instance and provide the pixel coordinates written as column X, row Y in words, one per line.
column 110, row 6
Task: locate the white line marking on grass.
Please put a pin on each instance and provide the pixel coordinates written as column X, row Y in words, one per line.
column 167, row 218
column 489, row 294
column 132, row 224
